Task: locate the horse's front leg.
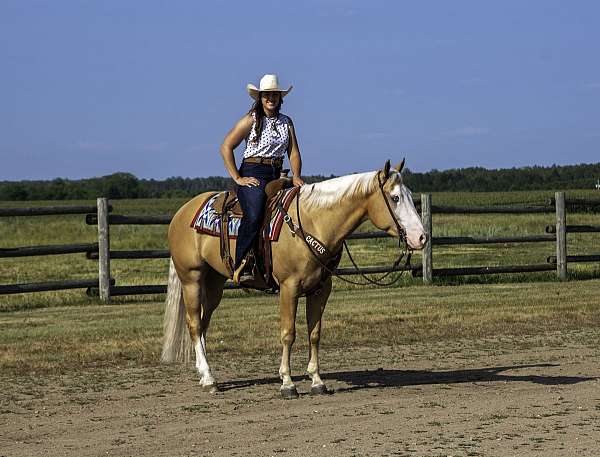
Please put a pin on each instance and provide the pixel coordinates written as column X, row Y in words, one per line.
column 288, row 303
column 315, row 306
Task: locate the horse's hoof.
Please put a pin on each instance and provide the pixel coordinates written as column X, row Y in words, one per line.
column 321, row 389
column 289, row 393
column 211, row 388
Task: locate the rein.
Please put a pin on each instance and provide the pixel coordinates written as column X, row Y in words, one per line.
column 379, row 281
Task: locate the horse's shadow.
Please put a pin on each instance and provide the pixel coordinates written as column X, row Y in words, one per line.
column 380, row 378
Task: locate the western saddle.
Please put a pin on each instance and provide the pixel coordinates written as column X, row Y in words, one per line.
column 227, row 205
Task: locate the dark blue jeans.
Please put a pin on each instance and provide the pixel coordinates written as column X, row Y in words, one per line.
column 252, row 199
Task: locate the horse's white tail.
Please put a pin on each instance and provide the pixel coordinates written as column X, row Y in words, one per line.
column 177, row 344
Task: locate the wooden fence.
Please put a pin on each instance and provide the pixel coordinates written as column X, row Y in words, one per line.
column 29, row 251
column 105, row 287
column 554, row 234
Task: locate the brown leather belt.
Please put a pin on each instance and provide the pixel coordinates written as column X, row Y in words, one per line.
column 273, row 162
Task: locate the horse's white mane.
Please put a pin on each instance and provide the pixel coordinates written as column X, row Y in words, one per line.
column 325, row 194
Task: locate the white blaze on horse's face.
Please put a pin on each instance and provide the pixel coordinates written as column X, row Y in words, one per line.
column 406, row 214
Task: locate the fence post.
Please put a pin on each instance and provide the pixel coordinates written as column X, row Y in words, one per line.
column 427, row 251
column 561, row 236
column 103, row 250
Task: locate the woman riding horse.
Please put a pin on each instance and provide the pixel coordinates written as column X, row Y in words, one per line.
column 327, row 211
column 269, row 135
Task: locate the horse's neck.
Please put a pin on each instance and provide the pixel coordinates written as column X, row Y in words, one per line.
column 332, row 225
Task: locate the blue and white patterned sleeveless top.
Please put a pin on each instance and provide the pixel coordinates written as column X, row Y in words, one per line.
column 274, row 138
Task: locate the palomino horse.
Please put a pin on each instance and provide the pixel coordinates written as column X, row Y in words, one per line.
column 329, row 210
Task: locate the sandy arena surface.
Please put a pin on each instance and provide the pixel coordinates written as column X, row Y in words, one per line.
column 523, row 396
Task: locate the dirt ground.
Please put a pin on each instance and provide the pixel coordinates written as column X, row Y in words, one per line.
column 512, row 396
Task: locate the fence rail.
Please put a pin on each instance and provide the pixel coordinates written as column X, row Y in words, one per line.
column 119, row 219
column 161, row 288
column 577, row 258
column 452, row 240
column 576, row 202
column 492, row 209
column 145, row 254
column 575, row 228
column 48, row 286
column 48, row 211
column 28, row 251
column 465, row 271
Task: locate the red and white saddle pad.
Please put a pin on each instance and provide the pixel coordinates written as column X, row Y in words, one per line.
column 207, row 219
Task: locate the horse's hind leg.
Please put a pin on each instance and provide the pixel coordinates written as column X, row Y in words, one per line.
column 288, row 304
column 315, row 306
column 201, row 297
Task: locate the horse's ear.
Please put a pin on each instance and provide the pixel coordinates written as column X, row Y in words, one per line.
column 386, row 169
column 400, row 166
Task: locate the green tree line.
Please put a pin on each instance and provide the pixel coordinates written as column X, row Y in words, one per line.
column 126, row 185
column 477, row 179
column 114, row 186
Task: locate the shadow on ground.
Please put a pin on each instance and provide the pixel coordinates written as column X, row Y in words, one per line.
column 380, row 378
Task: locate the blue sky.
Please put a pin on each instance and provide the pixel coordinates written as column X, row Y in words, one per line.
column 89, row 88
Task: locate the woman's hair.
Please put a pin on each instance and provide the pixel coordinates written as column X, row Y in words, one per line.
column 259, row 114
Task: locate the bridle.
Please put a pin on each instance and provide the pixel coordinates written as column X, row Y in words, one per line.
column 405, row 251
column 401, row 231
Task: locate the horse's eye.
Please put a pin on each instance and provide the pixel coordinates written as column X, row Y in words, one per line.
column 395, row 198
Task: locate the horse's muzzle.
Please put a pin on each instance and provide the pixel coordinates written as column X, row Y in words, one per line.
column 417, row 243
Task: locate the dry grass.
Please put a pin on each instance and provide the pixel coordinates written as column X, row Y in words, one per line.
column 71, row 338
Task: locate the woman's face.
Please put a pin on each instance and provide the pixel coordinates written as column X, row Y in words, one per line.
column 270, row 100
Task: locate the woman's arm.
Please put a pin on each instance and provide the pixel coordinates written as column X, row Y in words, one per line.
column 232, row 140
column 294, row 156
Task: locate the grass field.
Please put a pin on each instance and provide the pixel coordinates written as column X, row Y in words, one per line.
column 46, row 230
column 65, row 330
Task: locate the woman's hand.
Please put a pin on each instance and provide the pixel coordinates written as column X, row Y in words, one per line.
column 250, row 181
column 297, row 181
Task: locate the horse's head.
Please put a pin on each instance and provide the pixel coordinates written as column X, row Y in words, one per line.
column 399, row 210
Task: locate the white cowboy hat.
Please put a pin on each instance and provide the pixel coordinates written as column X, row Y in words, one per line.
column 268, row 83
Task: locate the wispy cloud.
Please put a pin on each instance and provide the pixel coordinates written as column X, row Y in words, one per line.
column 468, row 131
column 593, row 85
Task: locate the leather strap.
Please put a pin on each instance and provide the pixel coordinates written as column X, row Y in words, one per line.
column 399, row 228
column 224, row 236
column 274, row 162
column 318, row 249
